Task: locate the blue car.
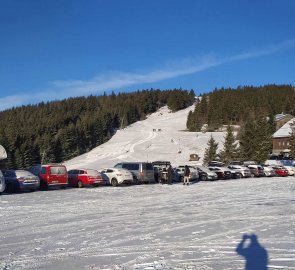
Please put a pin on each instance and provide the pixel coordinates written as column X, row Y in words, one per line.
column 2, row 183
column 20, row 180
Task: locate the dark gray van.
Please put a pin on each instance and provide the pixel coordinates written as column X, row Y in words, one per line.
column 143, row 172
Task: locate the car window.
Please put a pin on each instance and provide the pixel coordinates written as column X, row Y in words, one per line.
column 62, row 170
column 53, row 170
column 43, row 170
column 73, row 172
column 148, row 166
column 131, row 166
column 118, row 165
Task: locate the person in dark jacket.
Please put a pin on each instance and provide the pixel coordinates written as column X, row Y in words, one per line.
column 186, row 175
column 169, row 175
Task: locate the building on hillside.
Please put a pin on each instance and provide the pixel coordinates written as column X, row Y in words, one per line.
column 281, row 119
column 280, row 139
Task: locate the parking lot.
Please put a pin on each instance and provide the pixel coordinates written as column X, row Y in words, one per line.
column 149, row 226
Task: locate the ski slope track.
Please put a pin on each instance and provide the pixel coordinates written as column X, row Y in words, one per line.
column 162, row 136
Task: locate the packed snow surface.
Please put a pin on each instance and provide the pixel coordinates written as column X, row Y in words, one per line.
column 162, row 136
column 149, row 227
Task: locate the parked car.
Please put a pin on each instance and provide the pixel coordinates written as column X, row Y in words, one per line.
column 51, row 175
column 143, row 171
column 290, row 169
column 2, row 183
column 205, row 174
column 215, row 163
column 117, row 176
column 83, row 177
column 280, row 171
column 268, row 171
column 193, row 176
column 239, row 171
column 20, row 180
column 256, row 170
column 222, row 172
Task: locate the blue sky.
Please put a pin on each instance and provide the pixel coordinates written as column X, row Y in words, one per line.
column 54, row 49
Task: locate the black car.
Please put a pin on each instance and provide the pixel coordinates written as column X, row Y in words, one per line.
column 222, row 172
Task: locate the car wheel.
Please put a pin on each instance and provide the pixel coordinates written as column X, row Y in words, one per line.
column 10, row 188
column 43, row 185
column 238, row 176
column 203, row 178
column 114, row 182
column 79, row 184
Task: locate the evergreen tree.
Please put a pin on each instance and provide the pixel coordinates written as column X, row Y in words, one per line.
column 229, row 151
column 292, row 140
column 263, row 139
column 247, row 139
column 210, row 151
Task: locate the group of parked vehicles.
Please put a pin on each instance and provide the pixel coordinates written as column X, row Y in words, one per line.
column 57, row 175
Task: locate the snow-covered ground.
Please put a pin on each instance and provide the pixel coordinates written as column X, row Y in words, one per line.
column 149, row 227
column 161, row 136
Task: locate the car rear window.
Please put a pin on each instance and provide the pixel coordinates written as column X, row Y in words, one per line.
column 148, row 166
column 22, row 173
column 53, row 170
column 62, row 170
column 58, row 170
column 93, row 172
column 131, row 166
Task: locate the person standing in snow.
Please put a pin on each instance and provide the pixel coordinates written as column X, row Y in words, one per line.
column 186, row 175
column 169, row 175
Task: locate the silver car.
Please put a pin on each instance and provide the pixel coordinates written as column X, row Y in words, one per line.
column 240, row 171
column 194, row 175
column 20, row 180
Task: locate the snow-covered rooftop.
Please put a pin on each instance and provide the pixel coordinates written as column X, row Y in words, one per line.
column 285, row 130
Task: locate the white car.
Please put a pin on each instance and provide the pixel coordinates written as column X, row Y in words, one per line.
column 290, row 169
column 2, row 183
column 194, row 175
column 268, row 171
column 117, row 176
column 239, row 171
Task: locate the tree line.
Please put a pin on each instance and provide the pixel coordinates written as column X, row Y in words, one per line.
column 60, row 130
column 251, row 108
column 237, row 106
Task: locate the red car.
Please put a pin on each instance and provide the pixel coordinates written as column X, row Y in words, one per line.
column 51, row 175
column 83, row 177
column 281, row 171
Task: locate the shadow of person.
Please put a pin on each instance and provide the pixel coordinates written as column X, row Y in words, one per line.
column 255, row 255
